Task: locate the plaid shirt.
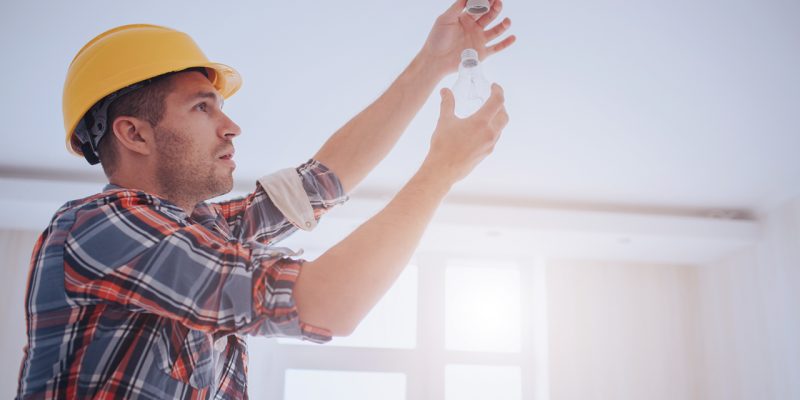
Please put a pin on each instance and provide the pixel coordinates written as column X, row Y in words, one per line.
column 128, row 297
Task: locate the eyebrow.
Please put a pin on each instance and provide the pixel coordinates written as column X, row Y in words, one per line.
column 208, row 95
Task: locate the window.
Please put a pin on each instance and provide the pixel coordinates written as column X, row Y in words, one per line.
column 449, row 328
column 482, row 311
column 392, row 323
column 479, row 382
column 344, row 385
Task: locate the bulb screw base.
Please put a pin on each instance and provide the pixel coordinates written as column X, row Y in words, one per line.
column 469, row 58
column 478, row 7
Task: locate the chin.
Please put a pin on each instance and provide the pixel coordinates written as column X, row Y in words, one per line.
column 225, row 186
column 218, row 187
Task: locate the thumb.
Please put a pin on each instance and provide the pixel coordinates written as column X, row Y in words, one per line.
column 448, row 102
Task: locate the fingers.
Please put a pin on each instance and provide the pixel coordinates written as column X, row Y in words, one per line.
column 494, row 11
column 497, row 30
column 496, row 48
column 494, row 104
column 448, row 103
column 468, row 22
column 500, row 120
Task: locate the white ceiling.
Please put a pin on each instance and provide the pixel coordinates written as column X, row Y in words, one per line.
column 682, row 106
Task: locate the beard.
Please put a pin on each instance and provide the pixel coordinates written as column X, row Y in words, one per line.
column 186, row 174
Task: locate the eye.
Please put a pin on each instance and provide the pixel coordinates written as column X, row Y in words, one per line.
column 203, row 107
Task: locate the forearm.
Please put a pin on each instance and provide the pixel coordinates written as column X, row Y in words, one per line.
column 356, row 148
column 339, row 288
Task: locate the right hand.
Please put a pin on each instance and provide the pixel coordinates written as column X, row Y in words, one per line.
column 456, row 30
column 458, row 145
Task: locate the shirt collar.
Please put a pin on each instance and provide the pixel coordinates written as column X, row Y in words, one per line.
column 159, row 201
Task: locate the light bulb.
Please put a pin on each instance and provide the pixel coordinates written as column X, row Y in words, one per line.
column 477, row 7
column 471, row 89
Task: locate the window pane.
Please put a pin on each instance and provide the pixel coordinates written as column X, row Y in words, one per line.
column 480, row 382
column 391, row 324
column 344, row 385
column 482, row 307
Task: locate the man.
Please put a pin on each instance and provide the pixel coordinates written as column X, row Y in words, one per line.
column 146, row 291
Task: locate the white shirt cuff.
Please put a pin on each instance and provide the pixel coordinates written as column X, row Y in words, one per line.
column 285, row 189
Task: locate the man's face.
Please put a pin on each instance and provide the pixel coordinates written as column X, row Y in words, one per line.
column 194, row 147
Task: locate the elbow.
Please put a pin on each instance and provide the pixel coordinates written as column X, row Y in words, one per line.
column 339, row 324
column 339, row 317
column 340, row 327
column 338, row 312
column 342, row 331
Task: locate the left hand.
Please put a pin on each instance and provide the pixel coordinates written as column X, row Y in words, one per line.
column 456, row 30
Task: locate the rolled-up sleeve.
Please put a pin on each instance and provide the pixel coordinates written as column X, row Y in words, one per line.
column 287, row 200
column 141, row 258
column 303, row 194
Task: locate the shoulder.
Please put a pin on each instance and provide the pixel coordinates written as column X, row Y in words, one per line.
column 115, row 205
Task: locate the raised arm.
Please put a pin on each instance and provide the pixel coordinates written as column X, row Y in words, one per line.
column 337, row 290
column 356, row 148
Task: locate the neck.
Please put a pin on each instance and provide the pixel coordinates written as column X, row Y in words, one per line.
column 186, row 202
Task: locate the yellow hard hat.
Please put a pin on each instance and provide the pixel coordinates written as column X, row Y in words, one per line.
column 129, row 54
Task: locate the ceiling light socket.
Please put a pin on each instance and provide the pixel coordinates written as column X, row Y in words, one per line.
column 478, row 7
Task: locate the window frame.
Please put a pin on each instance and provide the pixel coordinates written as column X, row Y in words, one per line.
column 424, row 366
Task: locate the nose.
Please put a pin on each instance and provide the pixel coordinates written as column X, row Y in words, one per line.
column 229, row 129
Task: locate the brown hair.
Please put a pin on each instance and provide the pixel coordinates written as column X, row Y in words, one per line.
column 146, row 103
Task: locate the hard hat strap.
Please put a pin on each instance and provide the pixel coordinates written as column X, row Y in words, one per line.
column 94, row 124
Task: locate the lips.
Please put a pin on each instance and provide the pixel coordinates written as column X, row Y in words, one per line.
column 227, row 158
column 227, row 155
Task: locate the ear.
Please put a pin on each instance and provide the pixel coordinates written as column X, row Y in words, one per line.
column 134, row 134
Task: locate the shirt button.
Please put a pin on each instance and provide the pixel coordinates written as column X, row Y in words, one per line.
column 308, row 224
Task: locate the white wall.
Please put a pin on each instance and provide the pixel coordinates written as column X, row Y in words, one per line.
column 750, row 315
column 15, row 256
column 724, row 330
column 621, row 331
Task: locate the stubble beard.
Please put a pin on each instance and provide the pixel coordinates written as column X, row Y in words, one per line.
column 186, row 175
